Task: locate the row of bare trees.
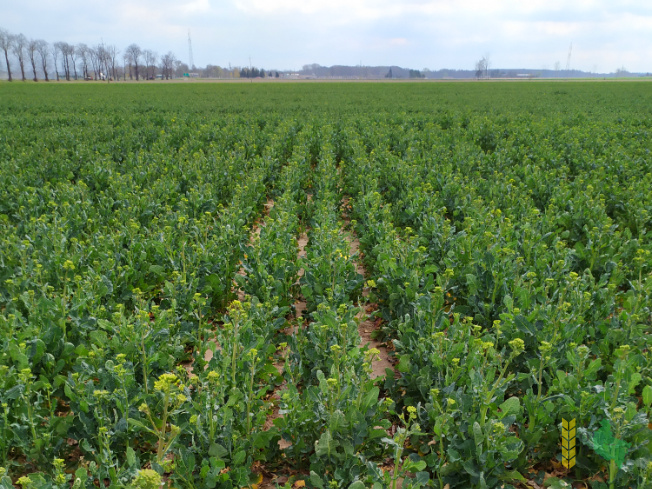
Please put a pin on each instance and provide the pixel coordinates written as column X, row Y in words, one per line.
column 62, row 60
column 137, row 60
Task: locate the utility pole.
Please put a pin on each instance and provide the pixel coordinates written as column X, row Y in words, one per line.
column 570, row 51
column 191, row 61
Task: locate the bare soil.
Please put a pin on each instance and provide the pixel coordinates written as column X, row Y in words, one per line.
column 368, row 324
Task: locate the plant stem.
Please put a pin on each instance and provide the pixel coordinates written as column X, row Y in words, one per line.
column 233, row 353
column 613, row 470
column 485, row 407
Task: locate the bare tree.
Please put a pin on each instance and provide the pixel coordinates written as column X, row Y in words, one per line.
column 482, row 67
column 150, row 62
column 43, row 50
column 134, row 53
column 56, row 51
column 18, row 48
column 5, row 44
column 31, row 51
column 68, row 56
column 167, row 65
column 82, row 51
column 479, row 68
column 60, row 49
column 180, row 68
column 112, row 54
column 72, row 52
column 126, row 63
column 96, row 56
column 101, row 62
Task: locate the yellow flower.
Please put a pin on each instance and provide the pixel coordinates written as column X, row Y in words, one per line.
column 147, row 479
column 24, row 481
column 165, row 382
column 412, row 411
column 517, row 345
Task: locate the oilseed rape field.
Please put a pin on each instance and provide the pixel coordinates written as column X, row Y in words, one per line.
column 328, row 285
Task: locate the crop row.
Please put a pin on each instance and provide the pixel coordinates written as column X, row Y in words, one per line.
column 513, row 295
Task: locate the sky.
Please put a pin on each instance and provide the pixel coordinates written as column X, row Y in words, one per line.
column 286, row 34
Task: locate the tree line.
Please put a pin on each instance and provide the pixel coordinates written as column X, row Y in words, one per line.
column 62, row 60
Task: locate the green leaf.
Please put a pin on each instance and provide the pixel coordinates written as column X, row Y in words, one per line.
column 69, row 392
column 81, row 474
column 471, row 468
column 556, row 483
column 513, row 475
column 370, row 399
column 316, row 481
column 478, row 438
column 325, row 446
column 404, row 363
column 140, row 424
column 647, row 395
column 511, row 406
column 422, row 478
column 389, row 441
column 509, row 302
column 357, row 485
column 337, row 421
column 217, row 450
column 634, row 379
column 36, row 350
column 472, row 282
column 131, row 457
column 157, row 270
column 594, row 366
column 418, row 466
column 239, row 458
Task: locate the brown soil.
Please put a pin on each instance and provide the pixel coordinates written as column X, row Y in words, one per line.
column 253, row 237
column 368, row 325
column 366, row 328
column 255, row 233
column 299, row 309
column 300, row 303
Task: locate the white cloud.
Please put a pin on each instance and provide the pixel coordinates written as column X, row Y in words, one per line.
column 413, row 33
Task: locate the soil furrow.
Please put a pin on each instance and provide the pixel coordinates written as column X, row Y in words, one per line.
column 368, row 325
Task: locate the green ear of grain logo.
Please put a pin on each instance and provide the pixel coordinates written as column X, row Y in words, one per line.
column 609, row 447
column 568, row 431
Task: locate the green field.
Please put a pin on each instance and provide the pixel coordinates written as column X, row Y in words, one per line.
column 186, row 271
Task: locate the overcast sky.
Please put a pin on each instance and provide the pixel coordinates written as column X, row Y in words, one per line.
column 287, row 34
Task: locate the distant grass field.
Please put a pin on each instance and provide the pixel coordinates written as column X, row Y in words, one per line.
column 592, row 99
